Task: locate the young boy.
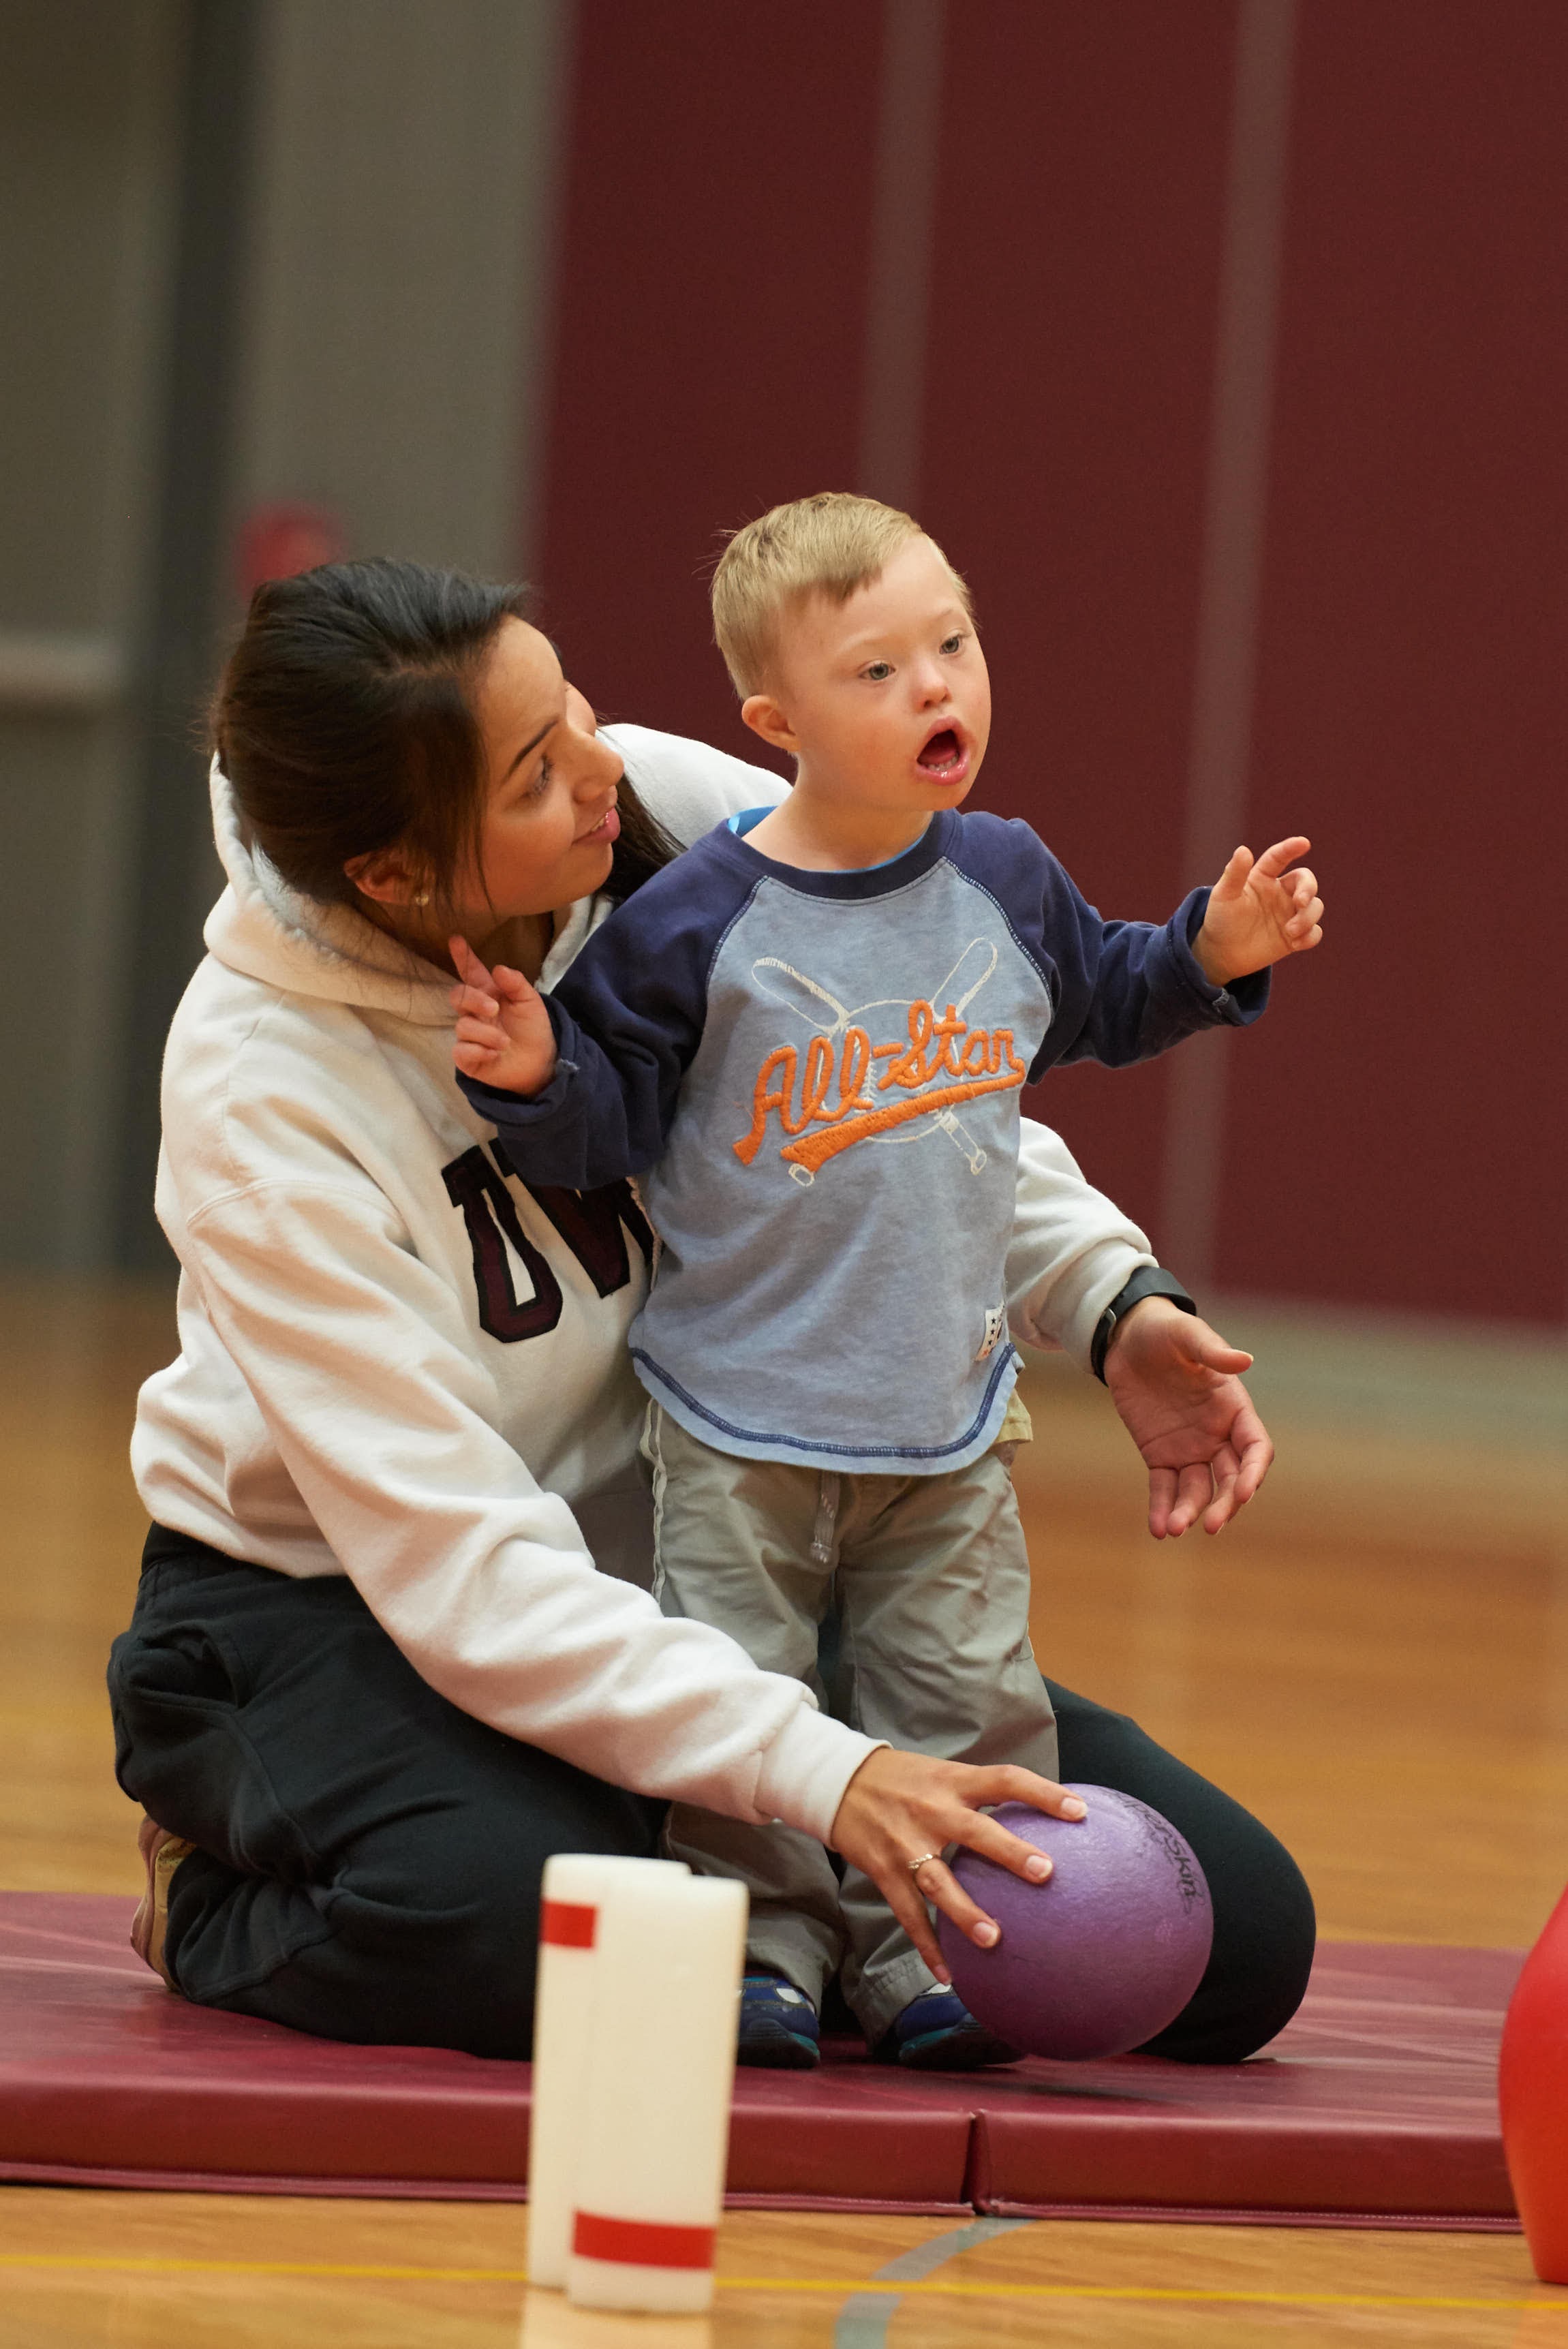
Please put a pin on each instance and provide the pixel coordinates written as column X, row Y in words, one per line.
column 808, row 1035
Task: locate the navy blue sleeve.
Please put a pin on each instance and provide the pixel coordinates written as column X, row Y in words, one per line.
column 1120, row 991
column 628, row 1017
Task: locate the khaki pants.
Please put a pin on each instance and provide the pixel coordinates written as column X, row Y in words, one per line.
column 932, row 1585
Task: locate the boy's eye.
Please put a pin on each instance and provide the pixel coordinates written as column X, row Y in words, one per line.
column 954, row 643
column 876, row 670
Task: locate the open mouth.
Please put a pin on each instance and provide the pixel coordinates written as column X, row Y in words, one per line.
column 945, row 757
column 608, row 828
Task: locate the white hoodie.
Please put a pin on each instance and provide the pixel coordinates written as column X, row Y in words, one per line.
column 338, row 1408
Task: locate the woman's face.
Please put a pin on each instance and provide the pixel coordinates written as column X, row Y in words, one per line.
column 550, row 822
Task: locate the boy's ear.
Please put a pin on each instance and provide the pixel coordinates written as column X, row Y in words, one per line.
column 384, row 874
column 766, row 717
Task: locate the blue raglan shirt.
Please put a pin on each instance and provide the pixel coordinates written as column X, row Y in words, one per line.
column 816, row 1077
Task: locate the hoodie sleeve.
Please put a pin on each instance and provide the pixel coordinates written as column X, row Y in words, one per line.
column 1071, row 1251
column 357, row 1356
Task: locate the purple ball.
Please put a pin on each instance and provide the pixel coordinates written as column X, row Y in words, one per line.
column 1103, row 1954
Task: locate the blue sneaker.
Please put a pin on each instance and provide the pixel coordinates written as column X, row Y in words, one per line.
column 778, row 2026
column 936, row 2032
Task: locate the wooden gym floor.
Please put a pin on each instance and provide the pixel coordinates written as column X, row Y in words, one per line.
column 1376, row 1661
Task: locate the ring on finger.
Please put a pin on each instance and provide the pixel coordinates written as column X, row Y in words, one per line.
column 917, row 1865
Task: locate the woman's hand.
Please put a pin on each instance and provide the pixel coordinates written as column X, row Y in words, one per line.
column 900, row 1807
column 503, row 1034
column 1178, row 1387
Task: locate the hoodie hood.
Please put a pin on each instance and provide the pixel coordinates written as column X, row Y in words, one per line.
column 267, row 931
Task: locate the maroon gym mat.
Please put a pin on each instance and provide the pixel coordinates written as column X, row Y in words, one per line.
column 1378, row 2102
column 1376, row 2105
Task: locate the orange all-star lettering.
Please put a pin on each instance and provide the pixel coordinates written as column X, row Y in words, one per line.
column 987, row 1061
column 813, row 1150
column 775, row 1088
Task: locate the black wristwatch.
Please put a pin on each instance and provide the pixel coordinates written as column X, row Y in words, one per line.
column 1148, row 1280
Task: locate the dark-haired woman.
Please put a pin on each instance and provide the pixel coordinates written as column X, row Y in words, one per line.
column 390, row 1650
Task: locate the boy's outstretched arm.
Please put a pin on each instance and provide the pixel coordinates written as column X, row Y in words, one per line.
column 1259, row 913
column 1122, row 991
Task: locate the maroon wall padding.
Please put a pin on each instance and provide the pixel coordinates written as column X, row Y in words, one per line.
column 1377, row 2103
column 1389, row 1138
column 708, row 362
column 1413, row 682
column 1068, row 375
column 708, row 327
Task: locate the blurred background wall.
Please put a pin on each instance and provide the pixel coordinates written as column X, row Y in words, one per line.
column 1224, row 345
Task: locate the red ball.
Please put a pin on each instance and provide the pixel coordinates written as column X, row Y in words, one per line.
column 1533, row 2091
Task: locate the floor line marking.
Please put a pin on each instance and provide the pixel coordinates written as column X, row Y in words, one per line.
column 863, row 2322
column 332, row 2270
column 892, row 2288
column 1135, row 2293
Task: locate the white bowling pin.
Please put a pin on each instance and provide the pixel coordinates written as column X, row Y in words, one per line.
column 655, row 2132
column 575, row 1883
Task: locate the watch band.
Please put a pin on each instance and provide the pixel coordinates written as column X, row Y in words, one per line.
column 1148, row 1280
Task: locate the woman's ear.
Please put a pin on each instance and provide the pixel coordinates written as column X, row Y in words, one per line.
column 384, row 876
column 766, row 717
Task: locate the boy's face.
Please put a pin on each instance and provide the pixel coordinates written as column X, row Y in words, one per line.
column 884, row 700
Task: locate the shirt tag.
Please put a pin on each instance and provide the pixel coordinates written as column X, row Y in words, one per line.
column 995, row 1323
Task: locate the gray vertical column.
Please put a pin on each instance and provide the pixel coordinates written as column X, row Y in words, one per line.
column 402, row 269
column 365, row 283
column 172, row 868
column 1234, row 519
column 898, row 295
column 87, row 134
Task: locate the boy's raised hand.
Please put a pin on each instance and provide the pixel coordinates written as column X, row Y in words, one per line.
column 1259, row 913
column 503, row 1036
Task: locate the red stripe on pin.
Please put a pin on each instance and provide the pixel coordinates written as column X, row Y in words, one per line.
column 640, row 2243
column 569, row 1924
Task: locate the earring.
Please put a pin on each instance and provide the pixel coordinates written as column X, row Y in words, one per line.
column 422, row 897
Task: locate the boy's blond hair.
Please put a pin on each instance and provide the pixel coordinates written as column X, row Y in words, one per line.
column 826, row 546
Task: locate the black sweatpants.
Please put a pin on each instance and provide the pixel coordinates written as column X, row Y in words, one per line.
column 368, row 1857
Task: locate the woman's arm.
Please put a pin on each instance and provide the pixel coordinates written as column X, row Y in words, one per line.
column 364, row 1371
column 1175, row 1382
column 364, row 1365
column 1072, row 1249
